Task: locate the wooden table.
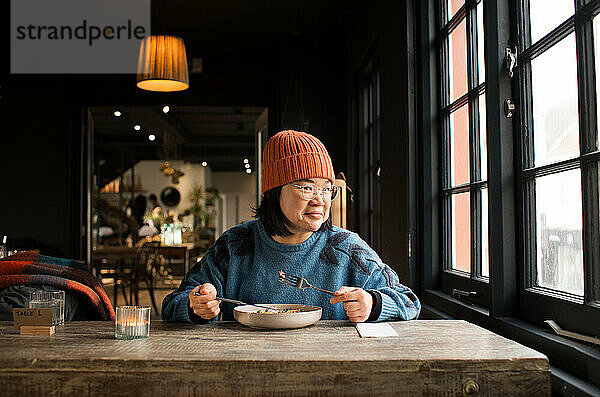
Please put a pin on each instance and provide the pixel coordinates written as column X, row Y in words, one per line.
column 429, row 357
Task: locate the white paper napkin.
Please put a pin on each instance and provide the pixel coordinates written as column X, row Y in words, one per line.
column 375, row 330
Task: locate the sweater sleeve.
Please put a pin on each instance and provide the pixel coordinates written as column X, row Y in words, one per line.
column 398, row 302
column 210, row 269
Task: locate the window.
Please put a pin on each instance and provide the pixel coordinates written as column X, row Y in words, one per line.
column 369, row 155
column 464, row 189
column 559, row 162
column 539, row 195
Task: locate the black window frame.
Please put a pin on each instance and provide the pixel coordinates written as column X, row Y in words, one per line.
column 538, row 304
column 452, row 281
column 573, row 364
column 369, row 155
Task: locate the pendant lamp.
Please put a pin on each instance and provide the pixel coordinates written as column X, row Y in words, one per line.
column 162, row 64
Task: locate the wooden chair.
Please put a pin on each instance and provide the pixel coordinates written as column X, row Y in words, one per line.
column 341, row 214
column 147, row 264
column 128, row 267
column 118, row 263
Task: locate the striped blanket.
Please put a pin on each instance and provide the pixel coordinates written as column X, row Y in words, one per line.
column 31, row 268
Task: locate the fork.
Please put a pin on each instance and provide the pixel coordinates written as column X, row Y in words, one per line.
column 299, row 282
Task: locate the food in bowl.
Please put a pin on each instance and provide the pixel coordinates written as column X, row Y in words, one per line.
column 283, row 316
column 278, row 311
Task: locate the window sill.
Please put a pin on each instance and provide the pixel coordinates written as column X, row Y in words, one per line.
column 581, row 359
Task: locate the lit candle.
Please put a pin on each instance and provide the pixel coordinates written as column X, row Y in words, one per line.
column 132, row 322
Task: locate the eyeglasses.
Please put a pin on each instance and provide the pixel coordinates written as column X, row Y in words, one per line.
column 310, row 190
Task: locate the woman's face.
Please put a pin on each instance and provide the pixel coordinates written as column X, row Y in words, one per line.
column 305, row 215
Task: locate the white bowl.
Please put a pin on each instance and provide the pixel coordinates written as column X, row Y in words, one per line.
column 248, row 316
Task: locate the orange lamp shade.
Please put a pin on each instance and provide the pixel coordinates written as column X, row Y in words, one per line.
column 162, row 64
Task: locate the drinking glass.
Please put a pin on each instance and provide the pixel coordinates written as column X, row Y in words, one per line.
column 60, row 297
column 2, row 246
column 54, row 300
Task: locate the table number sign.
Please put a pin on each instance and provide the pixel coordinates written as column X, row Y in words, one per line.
column 26, row 320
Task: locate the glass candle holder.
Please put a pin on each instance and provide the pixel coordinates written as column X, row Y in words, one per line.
column 3, row 246
column 54, row 300
column 132, row 322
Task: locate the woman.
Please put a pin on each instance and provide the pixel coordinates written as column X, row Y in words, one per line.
column 293, row 233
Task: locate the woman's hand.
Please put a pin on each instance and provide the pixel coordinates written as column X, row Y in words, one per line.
column 357, row 302
column 205, row 304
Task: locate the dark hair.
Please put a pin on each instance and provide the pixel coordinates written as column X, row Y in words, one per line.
column 272, row 217
column 153, row 197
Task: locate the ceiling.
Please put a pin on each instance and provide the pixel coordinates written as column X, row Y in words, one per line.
column 229, row 24
column 220, row 135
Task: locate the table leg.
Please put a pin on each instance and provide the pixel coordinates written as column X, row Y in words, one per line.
column 186, row 262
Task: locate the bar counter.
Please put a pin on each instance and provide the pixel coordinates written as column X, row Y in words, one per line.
column 429, row 357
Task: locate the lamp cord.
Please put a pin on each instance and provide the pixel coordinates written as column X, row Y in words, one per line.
column 163, row 17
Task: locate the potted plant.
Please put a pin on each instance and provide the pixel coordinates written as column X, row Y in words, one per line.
column 197, row 198
column 211, row 195
column 203, row 201
column 209, row 220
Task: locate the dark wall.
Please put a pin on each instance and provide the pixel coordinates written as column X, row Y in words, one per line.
column 39, row 181
column 383, row 29
column 313, row 78
column 42, row 124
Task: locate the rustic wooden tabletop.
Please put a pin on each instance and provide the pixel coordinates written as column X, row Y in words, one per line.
column 445, row 357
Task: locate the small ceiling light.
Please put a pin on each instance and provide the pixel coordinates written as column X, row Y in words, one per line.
column 245, row 161
column 151, row 137
column 204, row 163
column 117, row 113
column 247, row 165
column 248, row 170
column 166, row 109
column 137, row 127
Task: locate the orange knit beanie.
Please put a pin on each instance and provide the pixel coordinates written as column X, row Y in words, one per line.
column 292, row 155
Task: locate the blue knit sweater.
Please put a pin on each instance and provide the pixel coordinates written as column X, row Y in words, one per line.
column 244, row 263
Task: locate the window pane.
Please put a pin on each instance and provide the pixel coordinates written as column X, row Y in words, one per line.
column 485, row 247
column 546, row 15
column 457, row 46
column 597, row 53
column 461, row 232
column 453, row 6
column 555, row 119
column 559, row 232
column 480, row 44
column 364, row 122
column 483, row 137
column 459, row 147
